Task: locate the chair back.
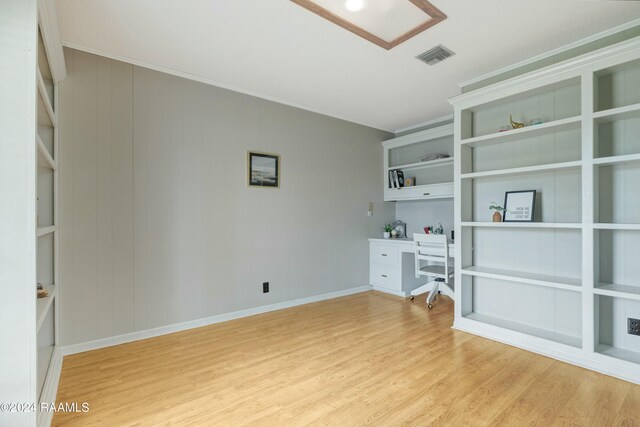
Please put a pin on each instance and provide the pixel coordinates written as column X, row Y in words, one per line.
column 431, row 248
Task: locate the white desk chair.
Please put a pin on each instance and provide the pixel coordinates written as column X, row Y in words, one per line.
column 432, row 248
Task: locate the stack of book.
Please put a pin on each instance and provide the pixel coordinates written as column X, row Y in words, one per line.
column 396, row 179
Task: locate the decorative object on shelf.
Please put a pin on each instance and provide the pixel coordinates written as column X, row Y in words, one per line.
column 427, row 230
column 497, row 216
column 394, row 234
column 263, row 170
column 400, row 228
column 41, row 292
column 515, row 125
column 519, row 206
column 410, row 182
column 396, row 179
column 536, row 121
column 439, row 229
column 387, row 231
column 432, row 157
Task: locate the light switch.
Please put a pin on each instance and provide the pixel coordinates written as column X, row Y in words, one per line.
column 370, row 212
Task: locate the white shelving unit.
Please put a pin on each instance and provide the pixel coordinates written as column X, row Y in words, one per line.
column 434, row 179
column 565, row 284
column 50, row 70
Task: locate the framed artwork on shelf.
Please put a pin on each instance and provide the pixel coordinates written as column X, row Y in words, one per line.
column 519, row 206
column 263, row 170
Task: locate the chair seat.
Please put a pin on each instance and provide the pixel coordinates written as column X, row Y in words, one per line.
column 436, row 269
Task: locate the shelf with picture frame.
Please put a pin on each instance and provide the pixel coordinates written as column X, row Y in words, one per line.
column 584, row 160
column 425, row 163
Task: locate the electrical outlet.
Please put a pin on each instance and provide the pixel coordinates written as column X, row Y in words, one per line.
column 265, row 287
column 633, row 326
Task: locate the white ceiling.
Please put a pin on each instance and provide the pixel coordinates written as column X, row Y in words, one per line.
column 278, row 50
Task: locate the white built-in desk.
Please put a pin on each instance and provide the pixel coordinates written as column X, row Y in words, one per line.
column 392, row 266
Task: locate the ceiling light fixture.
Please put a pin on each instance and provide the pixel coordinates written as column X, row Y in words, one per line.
column 354, row 5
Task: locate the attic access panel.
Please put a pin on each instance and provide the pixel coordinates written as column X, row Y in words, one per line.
column 386, row 23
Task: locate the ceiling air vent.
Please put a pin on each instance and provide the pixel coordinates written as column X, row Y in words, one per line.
column 435, row 55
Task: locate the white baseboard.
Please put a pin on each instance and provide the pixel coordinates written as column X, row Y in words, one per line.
column 615, row 368
column 389, row 291
column 177, row 327
column 50, row 387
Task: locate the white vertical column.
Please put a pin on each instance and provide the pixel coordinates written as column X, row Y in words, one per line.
column 457, row 209
column 56, row 222
column 588, row 318
column 18, row 29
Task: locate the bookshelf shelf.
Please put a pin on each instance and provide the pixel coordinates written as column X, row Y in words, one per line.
column 424, row 165
column 44, row 158
column 612, row 160
column 46, row 115
column 620, row 113
column 526, row 132
column 535, row 279
column 523, row 170
column 618, row 291
column 552, row 336
column 43, row 305
column 506, row 225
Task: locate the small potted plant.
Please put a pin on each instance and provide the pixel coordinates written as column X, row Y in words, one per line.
column 497, row 215
column 387, row 231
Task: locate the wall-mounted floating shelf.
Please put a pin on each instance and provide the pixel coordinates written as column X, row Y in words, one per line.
column 434, row 178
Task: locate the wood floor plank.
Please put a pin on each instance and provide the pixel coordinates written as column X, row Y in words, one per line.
column 596, row 402
column 629, row 413
column 365, row 359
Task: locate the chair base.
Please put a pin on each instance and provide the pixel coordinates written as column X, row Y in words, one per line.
column 433, row 288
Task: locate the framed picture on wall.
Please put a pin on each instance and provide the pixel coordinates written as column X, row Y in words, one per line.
column 263, row 170
column 519, row 206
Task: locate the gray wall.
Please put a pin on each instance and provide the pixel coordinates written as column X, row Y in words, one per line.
column 158, row 225
column 418, row 214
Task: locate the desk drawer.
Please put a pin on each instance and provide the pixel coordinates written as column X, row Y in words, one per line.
column 382, row 254
column 386, row 277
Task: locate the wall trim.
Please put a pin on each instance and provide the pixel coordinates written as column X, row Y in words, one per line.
column 557, row 51
column 50, row 387
column 211, row 82
column 444, row 120
column 622, row 370
column 191, row 324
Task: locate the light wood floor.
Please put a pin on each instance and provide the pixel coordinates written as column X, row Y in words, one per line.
column 369, row 358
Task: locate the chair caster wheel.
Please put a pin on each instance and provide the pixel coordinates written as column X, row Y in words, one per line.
column 412, row 298
column 430, row 306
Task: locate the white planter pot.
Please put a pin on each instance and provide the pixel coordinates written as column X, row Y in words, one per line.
column 386, row 234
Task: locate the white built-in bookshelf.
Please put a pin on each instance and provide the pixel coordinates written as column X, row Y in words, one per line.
column 565, row 284
column 50, row 70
